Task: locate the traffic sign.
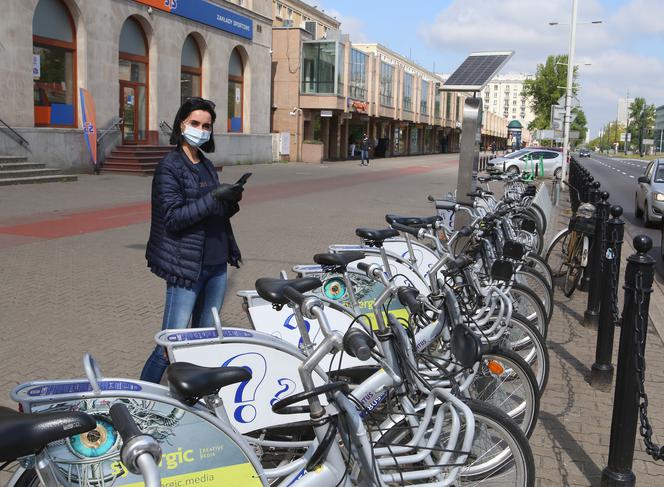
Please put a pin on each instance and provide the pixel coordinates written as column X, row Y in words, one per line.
column 575, row 103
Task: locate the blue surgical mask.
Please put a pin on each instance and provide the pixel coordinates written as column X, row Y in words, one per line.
column 194, row 136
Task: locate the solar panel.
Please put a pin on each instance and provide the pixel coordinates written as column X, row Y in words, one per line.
column 476, row 71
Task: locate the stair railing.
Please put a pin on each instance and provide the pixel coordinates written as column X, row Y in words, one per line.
column 101, row 134
column 165, row 128
column 13, row 134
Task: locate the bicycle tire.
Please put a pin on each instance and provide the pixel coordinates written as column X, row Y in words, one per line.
column 522, row 403
column 525, row 301
column 557, row 254
column 534, row 281
column 574, row 269
column 526, row 340
column 538, row 209
column 519, row 459
column 537, row 262
column 512, row 463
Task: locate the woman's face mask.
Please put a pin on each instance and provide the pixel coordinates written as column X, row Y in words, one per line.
column 195, row 137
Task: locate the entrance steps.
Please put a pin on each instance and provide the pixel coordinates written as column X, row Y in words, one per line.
column 18, row 170
column 135, row 159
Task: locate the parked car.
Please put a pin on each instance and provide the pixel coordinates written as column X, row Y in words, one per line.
column 649, row 196
column 516, row 161
column 584, row 153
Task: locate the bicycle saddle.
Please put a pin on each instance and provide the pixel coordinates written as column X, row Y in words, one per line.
column 341, row 259
column 412, row 221
column 272, row 289
column 376, row 235
column 26, row 434
column 190, row 382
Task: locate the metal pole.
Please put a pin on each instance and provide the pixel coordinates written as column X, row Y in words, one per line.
column 601, row 372
column 638, row 281
column 591, row 315
column 568, row 92
column 469, row 155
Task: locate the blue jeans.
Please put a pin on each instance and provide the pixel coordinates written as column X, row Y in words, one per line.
column 365, row 155
column 183, row 304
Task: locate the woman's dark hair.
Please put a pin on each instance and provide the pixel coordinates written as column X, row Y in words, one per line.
column 190, row 105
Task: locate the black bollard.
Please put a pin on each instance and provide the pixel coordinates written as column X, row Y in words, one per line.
column 601, row 372
column 595, row 268
column 638, row 281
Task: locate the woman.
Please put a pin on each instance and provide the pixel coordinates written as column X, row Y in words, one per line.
column 191, row 239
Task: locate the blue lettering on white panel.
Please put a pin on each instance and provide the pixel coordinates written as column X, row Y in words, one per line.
column 57, row 389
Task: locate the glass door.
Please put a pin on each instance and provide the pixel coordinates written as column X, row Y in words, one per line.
column 129, row 113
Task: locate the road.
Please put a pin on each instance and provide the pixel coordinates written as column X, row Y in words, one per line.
column 619, row 178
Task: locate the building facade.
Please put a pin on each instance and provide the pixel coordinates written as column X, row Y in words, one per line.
column 328, row 92
column 658, row 133
column 623, row 110
column 138, row 59
column 503, row 95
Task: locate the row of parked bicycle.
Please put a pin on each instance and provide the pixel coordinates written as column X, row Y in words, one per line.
column 417, row 357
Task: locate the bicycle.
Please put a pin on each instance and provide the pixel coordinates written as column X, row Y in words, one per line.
column 569, row 251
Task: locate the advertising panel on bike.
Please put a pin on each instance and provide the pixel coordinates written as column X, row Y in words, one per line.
column 194, row 452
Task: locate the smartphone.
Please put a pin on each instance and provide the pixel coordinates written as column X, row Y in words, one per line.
column 244, row 178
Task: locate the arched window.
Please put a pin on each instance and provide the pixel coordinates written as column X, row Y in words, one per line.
column 235, row 92
column 133, row 82
column 54, row 65
column 190, row 69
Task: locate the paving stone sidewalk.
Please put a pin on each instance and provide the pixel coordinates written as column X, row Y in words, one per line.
column 571, row 441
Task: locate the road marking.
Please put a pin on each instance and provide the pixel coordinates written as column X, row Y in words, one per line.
column 631, row 176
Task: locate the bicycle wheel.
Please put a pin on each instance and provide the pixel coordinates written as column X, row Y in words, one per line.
column 507, row 382
column 500, row 455
column 528, row 304
column 538, row 209
column 526, row 340
column 534, row 281
column 574, row 269
column 537, row 262
column 557, row 255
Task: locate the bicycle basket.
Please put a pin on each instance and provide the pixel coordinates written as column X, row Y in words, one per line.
column 502, row 270
column 513, row 250
column 582, row 225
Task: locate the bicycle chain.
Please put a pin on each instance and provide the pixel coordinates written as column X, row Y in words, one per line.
column 645, row 429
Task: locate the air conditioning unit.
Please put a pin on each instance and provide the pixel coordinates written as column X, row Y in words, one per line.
column 288, row 23
column 311, row 27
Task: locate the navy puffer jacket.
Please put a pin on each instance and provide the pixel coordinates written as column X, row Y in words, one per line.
column 179, row 210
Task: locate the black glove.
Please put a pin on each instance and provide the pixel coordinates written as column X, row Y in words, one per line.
column 227, row 192
column 231, row 209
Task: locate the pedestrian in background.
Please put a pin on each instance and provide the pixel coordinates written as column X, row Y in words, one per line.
column 191, row 239
column 352, row 148
column 365, row 145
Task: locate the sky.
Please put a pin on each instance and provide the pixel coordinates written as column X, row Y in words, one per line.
column 625, row 52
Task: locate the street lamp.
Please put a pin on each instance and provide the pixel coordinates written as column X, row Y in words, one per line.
column 570, row 79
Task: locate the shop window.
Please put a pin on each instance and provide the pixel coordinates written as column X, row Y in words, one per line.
column 408, row 92
column 357, row 83
column 424, row 98
column 386, row 81
column 190, row 70
column 235, row 92
column 54, row 65
column 322, row 67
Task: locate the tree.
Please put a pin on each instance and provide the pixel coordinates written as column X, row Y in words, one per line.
column 580, row 124
column 546, row 88
column 642, row 120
